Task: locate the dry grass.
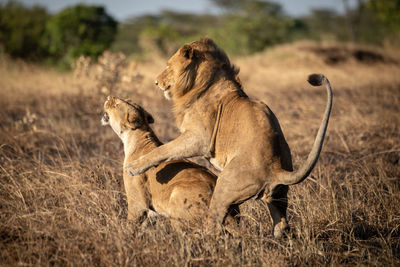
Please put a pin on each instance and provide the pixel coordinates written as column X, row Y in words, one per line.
column 62, row 200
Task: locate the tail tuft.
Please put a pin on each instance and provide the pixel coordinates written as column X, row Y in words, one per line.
column 316, row 79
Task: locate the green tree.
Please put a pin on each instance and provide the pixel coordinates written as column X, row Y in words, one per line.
column 78, row 30
column 230, row 5
column 21, row 30
column 326, row 24
column 252, row 26
column 387, row 11
column 163, row 36
column 127, row 39
column 163, row 33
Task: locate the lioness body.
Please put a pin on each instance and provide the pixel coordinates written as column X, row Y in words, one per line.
column 177, row 189
column 240, row 136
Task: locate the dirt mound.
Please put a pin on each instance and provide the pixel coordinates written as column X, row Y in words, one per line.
column 340, row 54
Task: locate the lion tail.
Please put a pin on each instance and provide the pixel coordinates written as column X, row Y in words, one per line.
column 291, row 178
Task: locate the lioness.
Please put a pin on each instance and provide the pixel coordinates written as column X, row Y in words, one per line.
column 177, row 189
column 240, row 136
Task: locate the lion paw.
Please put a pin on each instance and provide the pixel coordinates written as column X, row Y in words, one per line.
column 280, row 230
column 135, row 168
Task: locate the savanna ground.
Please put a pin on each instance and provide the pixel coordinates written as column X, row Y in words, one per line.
column 62, row 199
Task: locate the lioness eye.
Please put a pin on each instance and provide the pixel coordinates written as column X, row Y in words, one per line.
column 106, row 117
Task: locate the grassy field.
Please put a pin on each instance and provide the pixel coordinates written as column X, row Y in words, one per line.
column 62, row 199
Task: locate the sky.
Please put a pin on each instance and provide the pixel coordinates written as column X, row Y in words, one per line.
column 124, row 9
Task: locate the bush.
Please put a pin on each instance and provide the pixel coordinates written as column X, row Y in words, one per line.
column 257, row 26
column 21, row 30
column 251, row 26
column 79, row 30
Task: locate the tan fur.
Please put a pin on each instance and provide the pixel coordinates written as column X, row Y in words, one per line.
column 241, row 136
column 177, row 189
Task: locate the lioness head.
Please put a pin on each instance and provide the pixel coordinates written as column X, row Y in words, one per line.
column 123, row 115
column 195, row 65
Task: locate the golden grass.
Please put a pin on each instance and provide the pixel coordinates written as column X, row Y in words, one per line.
column 62, row 200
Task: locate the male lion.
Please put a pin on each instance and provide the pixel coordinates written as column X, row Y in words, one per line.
column 241, row 137
column 177, row 189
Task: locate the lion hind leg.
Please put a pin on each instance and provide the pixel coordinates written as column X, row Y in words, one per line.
column 277, row 205
column 233, row 187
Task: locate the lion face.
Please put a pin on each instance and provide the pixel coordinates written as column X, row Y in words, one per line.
column 123, row 115
column 180, row 73
column 165, row 81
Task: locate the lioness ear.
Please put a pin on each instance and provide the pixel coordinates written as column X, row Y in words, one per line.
column 149, row 118
column 187, row 51
column 147, row 115
column 132, row 120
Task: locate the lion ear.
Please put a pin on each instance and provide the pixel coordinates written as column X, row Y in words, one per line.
column 207, row 40
column 187, row 51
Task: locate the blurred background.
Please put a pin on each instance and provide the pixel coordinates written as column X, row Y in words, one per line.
column 58, row 32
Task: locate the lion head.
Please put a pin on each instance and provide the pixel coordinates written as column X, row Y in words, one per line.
column 194, row 67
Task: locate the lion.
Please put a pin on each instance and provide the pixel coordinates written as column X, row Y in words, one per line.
column 240, row 136
column 176, row 189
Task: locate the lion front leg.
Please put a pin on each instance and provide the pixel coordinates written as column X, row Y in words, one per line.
column 185, row 146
